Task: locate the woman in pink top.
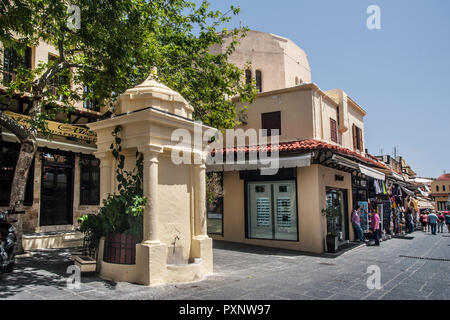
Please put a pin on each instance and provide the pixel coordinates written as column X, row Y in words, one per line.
column 375, row 226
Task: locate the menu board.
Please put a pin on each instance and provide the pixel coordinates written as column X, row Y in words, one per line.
column 263, row 212
column 364, row 215
column 284, row 212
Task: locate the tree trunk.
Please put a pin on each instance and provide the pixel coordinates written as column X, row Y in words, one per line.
column 27, row 150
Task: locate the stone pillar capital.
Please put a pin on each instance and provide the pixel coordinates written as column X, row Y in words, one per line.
column 106, row 158
column 103, row 155
column 150, row 149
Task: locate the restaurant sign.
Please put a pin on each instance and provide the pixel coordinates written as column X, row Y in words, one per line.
column 60, row 129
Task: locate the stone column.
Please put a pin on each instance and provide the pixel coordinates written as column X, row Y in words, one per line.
column 150, row 186
column 200, row 201
column 106, row 174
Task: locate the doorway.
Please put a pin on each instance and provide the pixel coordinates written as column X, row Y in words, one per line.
column 56, row 188
column 338, row 199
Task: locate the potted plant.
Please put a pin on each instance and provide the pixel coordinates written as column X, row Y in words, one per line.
column 331, row 213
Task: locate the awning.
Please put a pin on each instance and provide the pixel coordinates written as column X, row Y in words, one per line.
column 372, row 172
column 345, row 162
column 425, row 204
column 64, row 146
column 283, row 162
column 357, row 166
column 80, row 132
column 408, row 192
column 397, row 176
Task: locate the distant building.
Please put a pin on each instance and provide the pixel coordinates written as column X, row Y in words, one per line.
column 440, row 190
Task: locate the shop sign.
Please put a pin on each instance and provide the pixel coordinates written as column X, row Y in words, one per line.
column 60, row 129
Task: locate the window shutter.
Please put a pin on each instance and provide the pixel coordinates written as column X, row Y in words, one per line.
column 355, row 145
column 360, row 140
column 333, row 130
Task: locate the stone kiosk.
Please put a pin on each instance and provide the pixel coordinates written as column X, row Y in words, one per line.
column 175, row 246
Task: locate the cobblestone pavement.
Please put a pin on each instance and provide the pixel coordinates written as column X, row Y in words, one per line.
column 248, row 272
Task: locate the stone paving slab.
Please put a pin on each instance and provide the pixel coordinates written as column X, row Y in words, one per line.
column 244, row 272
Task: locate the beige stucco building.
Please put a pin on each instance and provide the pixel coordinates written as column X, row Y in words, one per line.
column 276, row 62
column 440, row 190
column 64, row 178
column 321, row 149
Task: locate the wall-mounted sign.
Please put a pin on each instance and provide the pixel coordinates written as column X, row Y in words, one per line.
column 60, row 129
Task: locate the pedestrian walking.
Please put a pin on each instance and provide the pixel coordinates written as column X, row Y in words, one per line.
column 422, row 222
column 425, row 221
column 409, row 221
column 375, row 225
column 432, row 221
column 441, row 222
column 447, row 220
column 356, row 222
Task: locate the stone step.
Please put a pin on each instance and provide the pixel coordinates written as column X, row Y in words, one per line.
column 52, row 240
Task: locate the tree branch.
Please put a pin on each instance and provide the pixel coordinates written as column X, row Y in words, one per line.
column 12, row 125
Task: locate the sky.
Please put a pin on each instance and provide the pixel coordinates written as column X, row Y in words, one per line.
column 400, row 74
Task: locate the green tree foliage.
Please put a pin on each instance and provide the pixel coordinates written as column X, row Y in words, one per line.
column 117, row 44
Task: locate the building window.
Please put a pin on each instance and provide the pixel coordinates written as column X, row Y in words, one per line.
column 272, row 210
column 258, row 80
column 215, row 208
column 248, row 76
column 9, row 154
column 58, row 80
column 357, row 138
column 12, row 59
column 90, row 104
column 271, row 121
column 89, row 180
column 443, row 188
column 444, row 206
column 333, row 130
column 437, row 188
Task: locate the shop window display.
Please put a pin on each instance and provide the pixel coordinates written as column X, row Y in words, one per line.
column 272, row 210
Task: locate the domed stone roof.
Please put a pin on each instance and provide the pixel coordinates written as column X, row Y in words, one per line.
column 152, row 93
column 444, row 177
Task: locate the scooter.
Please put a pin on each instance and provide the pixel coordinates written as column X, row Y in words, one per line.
column 8, row 241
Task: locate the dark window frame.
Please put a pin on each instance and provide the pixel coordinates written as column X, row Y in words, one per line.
column 248, row 76
column 94, row 198
column 258, row 78
column 221, row 208
column 269, row 121
column 13, row 60
column 92, row 105
column 29, row 187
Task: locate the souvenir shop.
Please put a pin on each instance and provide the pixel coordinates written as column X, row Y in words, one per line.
column 372, row 195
